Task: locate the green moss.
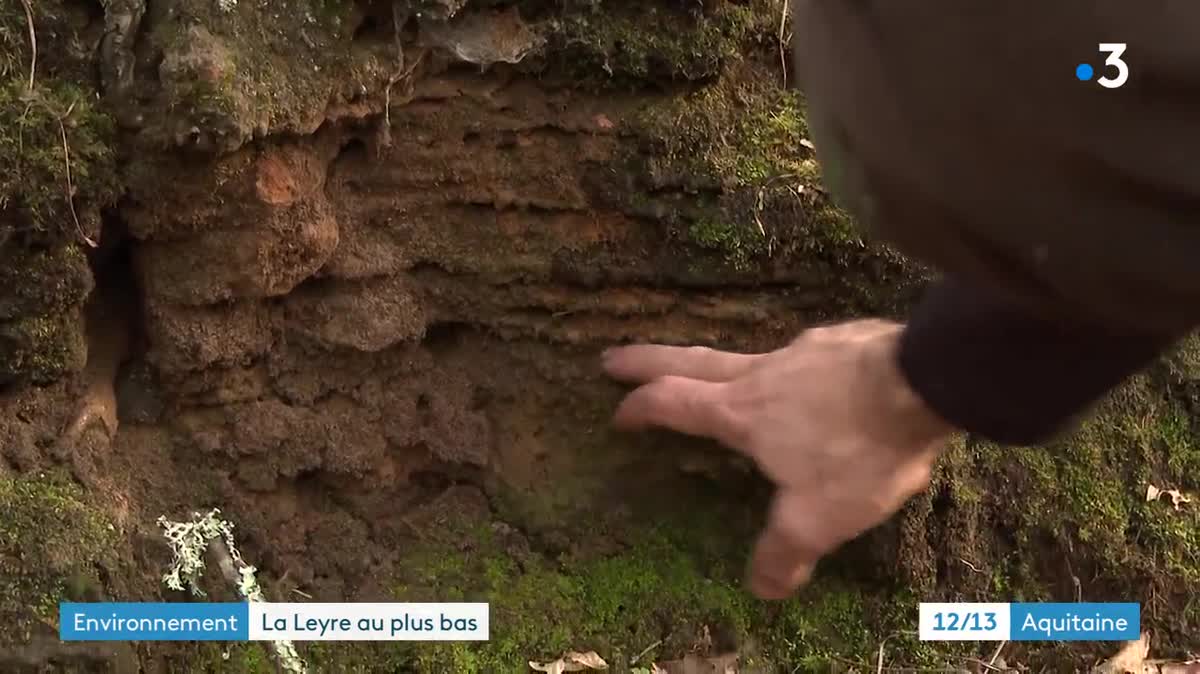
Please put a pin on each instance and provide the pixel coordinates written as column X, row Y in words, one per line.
column 57, row 169
column 231, row 76
column 674, row 584
column 741, row 132
column 727, row 171
column 51, row 540
column 41, row 348
column 37, row 118
column 1077, row 506
column 41, row 330
column 242, row 659
column 617, row 605
column 43, row 281
column 736, row 245
column 33, row 179
column 625, row 45
column 822, row 625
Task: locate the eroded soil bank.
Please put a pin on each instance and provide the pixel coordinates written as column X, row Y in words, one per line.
column 354, row 263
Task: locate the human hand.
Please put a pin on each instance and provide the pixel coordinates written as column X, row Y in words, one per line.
column 829, row 419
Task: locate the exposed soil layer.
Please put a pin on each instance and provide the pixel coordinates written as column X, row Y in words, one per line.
column 352, row 287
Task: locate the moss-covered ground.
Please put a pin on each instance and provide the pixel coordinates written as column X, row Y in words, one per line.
column 1001, row 524
column 1062, row 522
column 52, row 545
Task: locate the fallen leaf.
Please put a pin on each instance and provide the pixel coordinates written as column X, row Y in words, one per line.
column 1131, row 659
column 571, row 662
column 1177, row 497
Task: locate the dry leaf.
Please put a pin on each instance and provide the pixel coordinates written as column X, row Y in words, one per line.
column 1177, row 497
column 571, row 662
column 1131, row 659
column 807, row 143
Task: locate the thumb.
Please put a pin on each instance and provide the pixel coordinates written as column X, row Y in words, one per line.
column 785, row 554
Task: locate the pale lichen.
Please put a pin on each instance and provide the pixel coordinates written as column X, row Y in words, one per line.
column 190, row 541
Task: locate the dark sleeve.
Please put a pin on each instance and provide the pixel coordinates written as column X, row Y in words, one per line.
column 993, row 370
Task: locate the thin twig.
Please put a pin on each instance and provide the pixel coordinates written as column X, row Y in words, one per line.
column 996, row 653
column 32, row 42
column 645, row 651
column 970, row 565
column 783, row 41
column 397, row 25
column 62, row 129
column 879, row 663
column 387, row 91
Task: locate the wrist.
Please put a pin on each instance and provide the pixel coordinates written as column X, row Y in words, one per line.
column 907, row 417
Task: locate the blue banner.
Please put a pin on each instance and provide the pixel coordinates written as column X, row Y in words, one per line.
column 153, row 622
column 1075, row 622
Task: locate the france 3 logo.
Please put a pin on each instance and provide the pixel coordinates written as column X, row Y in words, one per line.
column 1084, row 72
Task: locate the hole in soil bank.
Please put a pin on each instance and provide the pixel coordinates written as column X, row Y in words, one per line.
column 116, row 301
column 113, row 319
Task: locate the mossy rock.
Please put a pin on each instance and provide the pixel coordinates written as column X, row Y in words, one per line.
column 57, row 162
column 628, row 45
column 37, row 177
column 41, row 281
column 230, row 75
column 57, row 171
column 52, row 543
column 727, row 176
column 42, row 348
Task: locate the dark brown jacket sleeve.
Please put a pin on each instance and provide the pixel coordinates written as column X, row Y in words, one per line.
column 958, row 132
column 990, row 368
column 1067, row 213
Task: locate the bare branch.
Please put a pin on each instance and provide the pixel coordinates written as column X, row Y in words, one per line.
column 62, row 128
column 783, row 41
column 32, row 42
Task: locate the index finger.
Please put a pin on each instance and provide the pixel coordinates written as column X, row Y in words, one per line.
column 646, row 362
column 685, row 405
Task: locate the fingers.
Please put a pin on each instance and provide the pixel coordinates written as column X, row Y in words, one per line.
column 685, row 405
column 787, row 551
column 646, row 362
